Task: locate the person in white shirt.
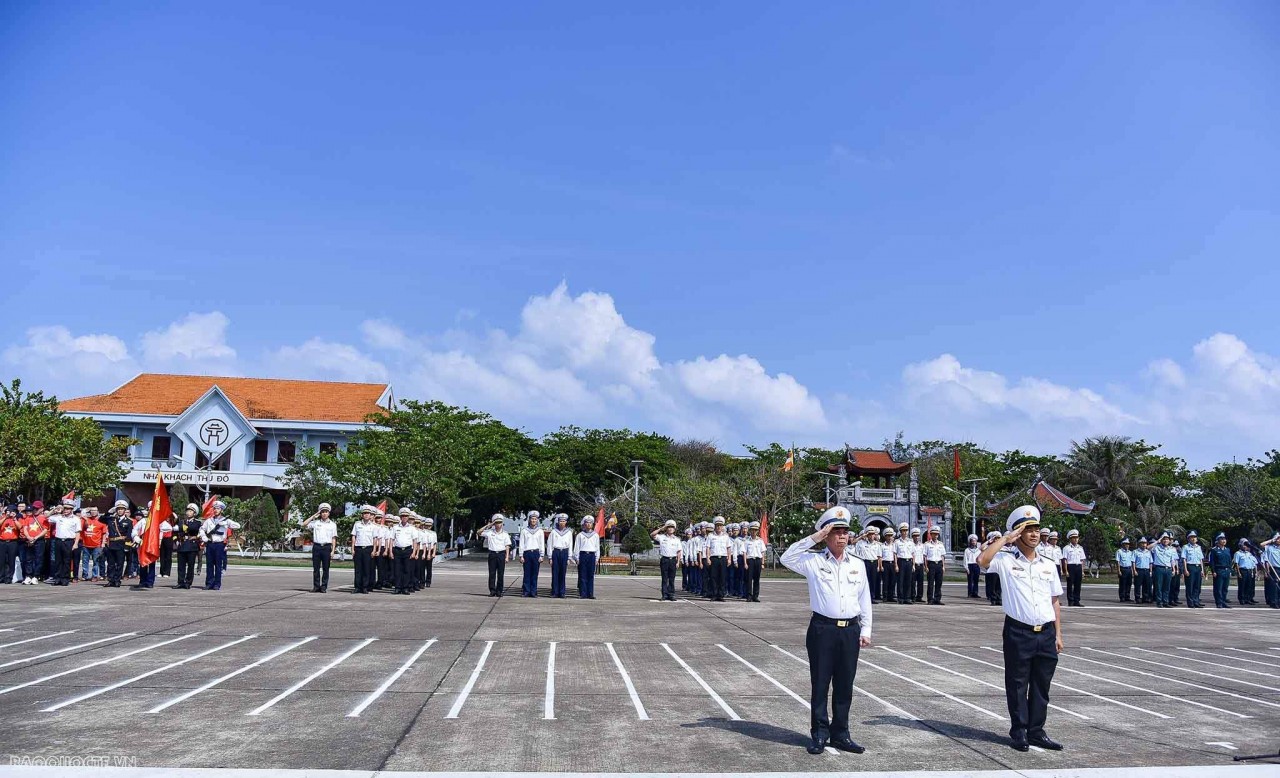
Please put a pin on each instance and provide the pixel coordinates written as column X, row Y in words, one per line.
column 213, row 532
column 498, row 543
column 686, row 571
column 66, row 539
column 586, row 552
column 430, row 546
column 1032, row 626
column 146, row 573
column 716, row 552
column 935, row 559
column 971, row 567
column 1073, row 559
column 670, row 554
column 753, row 549
column 324, row 531
column 839, row 626
column 404, row 547
column 888, row 565
column 904, row 553
column 384, row 575
column 917, row 566
column 364, row 539
column 531, row 553
column 559, row 544
column 990, row 578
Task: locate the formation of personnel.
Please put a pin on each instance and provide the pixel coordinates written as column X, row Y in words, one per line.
column 535, row 545
column 717, row 560
column 900, row 567
column 387, row 554
column 1157, row 572
column 65, row 544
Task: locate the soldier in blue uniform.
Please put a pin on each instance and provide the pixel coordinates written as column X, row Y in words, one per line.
column 1220, row 569
column 1271, row 570
column 1193, row 568
column 1163, row 558
column 1125, row 563
column 1175, row 584
column 1246, row 574
column 1142, row 573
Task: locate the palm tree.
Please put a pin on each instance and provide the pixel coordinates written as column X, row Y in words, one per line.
column 1148, row 521
column 1110, row 468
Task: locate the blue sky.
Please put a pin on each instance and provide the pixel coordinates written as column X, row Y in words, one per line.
column 1017, row 224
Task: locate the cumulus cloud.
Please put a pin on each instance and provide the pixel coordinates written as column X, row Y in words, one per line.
column 322, row 360
column 197, row 337
column 52, row 356
column 774, row 403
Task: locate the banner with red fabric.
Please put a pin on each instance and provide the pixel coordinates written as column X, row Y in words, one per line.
column 149, row 548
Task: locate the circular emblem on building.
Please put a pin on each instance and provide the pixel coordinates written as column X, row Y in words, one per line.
column 213, row 432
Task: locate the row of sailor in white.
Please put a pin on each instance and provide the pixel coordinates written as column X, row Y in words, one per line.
column 837, row 587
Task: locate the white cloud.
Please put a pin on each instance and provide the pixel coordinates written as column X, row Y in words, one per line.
column 774, row 403
column 1167, row 372
column 196, row 337
column 586, row 333
column 383, row 335
column 53, row 357
column 322, row 360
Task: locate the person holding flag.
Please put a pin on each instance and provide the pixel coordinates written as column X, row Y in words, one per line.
column 214, row 534
column 146, row 535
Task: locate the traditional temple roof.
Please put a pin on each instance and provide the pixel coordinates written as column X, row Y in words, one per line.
column 864, row 461
column 1045, row 495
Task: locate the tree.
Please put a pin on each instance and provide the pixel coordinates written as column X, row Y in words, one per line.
column 44, row 453
column 261, row 527
column 636, row 541
column 585, row 457
column 1114, row 469
column 178, row 498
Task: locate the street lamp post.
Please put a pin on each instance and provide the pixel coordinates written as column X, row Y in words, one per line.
column 973, row 498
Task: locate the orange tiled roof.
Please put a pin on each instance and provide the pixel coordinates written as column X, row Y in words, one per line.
column 256, row 398
column 872, row 460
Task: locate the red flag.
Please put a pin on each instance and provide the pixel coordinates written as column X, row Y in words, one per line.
column 599, row 528
column 955, row 463
column 790, row 463
column 149, row 548
column 764, row 528
column 382, row 507
column 70, row 496
column 206, row 510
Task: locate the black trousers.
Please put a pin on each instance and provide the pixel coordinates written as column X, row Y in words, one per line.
column 115, row 562
column 386, row 571
column 668, row 565
column 873, row 579
column 1075, row 579
column 426, row 570
column 974, row 573
column 935, row 581
column 917, row 575
column 497, row 572
column 187, row 567
column 8, row 557
column 166, row 556
column 62, row 559
column 403, row 568
column 1142, row 591
column 363, row 559
column 889, row 577
column 1029, row 661
column 833, row 664
column 993, row 588
column 906, row 579
column 719, row 571
column 1126, row 583
column 753, row 579
column 321, row 554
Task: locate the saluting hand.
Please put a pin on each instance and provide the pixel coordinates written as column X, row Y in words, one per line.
column 1011, row 536
column 821, row 534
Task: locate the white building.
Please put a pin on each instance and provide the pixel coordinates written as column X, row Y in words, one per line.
column 227, row 436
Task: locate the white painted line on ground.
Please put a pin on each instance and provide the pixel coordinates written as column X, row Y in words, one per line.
column 376, row 693
column 1167, row 679
column 767, row 677
column 1215, row 676
column 549, row 699
column 1225, row 658
column 1251, row 653
column 42, row 637
column 1202, row 661
column 471, row 682
column 82, row 668
column 723, row 705
column 1059, row 683
column 975, row 680
column 1144, row 689
column 7, row 629
column 857, row 688
column 64, row 650
column 935, row 691
column 147, row 674
column 342, row 658
column 205, row 687
column 626, row 680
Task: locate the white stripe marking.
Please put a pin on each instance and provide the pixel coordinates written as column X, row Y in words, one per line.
column 387, row 683
column 42, row 637
column 161, row 669
column 767, row 677
column 1166, row 679
column 996, row 716
column 975, row 680
column 258, row 710
column 82, row 668
column 857, row 688
column 1251, row 653
column 64, row 650
column 1063, row 685
column 723, row 705
column 1232, row 658
column 1144, row 689
column 205, row 687
column 549, row 700
column 626, row 679
column 471, row 682
column 1216, row 676
column 1201, row 661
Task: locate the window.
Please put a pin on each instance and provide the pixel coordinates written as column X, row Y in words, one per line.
column 221, row 463
column 259, row 451
column 160, row 447
column 285, row 451
column 329, row 448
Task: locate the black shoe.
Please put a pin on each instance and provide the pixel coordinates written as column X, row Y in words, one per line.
column 1019, row 745
column 817, row 745
column 845, row 744
column 324, row 589
column 1044, row 742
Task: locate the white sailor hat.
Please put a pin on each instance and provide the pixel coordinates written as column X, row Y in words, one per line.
column 429, row 520
column 193, row 507
column 562, row 517
column 220, row 505
column 992, row 534
column 1073, row 533
column 887, row 532
column 972, row 536
column 68, row 503
column 1045, row 531
column 1143, row 539
column 935, row 531
column 1023, row 517
column 754, row 525
column 1164, row 535
column 122, row 504
column 1193, row 534
column 406, row 512
column 915, row 530
column 833, row 517
column 1276, row 536
column 718, row 520
column 903, row 525
column 324, row 506
column 687, row 530
column 588, row 520
column 1124, row 541
column 534, row 515
column 668, row 523
column 368, row 509
column 1053, row 534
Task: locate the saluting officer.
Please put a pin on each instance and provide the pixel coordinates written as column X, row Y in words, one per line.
column 214, row 534
column 990, row 579
column 753, row 551
column 119, row 528
column 839, row 626
column 1032, row 627
column 498, row 543
column 1271, row 570
column 323, row 533
column 186, row 537
column 972, row 569
column 559, row 545
column 669, row 557
column 1125, row 562
column 586, row 550
column 1073, row 559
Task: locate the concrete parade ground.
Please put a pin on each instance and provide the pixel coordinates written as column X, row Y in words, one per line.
column 264, row 676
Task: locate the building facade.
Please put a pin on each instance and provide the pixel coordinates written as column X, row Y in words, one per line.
column 227, row 436
column 884, row 492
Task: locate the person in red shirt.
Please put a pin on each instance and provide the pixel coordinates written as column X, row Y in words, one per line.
column 35, row 532
column 9, row 533
column 91, row 547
